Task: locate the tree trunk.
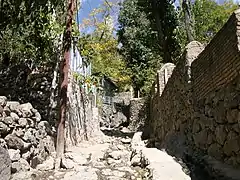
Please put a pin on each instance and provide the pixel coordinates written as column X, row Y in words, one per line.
column 188, row 19
column 162, row 38
column 64, row 69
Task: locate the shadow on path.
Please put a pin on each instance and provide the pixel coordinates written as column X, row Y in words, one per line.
column 117, row 133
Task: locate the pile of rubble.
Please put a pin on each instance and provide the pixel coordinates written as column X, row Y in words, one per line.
column 28, row 139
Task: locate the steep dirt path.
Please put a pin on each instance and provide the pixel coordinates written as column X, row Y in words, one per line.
column 114, row 156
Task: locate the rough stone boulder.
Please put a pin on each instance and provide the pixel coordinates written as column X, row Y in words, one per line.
column 28, row 140
column 14, row 142
column 14, row 154
column 26, row 109
column 5, row 164
column 138, row 114
column 3, row 100
column 119, row 119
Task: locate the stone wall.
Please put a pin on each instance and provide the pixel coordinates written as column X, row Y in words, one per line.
column 199, row 108
column 20, row 83
column 28, row 139
column 116, row 114
column 40, row 88
column 215, row 126
column 82, row 117
column 171, row 109
column 138, row 114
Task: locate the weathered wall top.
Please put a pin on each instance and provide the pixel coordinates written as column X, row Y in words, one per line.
column 162, row 76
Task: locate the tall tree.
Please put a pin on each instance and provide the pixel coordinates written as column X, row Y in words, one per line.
column 188, row 20
column 202, row 20
column 138, row 45
column 210, row 17
column 35, row 26
column 163, row 19
column 100, row 46
column 64, row 69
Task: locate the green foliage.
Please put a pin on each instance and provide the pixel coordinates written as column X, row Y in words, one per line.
column 101, row 48
column 29, row 30
column 141, row 45
column 210, row 17
column 163, row 20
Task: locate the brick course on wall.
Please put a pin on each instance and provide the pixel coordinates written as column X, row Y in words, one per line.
column 200, row 103
column 219, row 64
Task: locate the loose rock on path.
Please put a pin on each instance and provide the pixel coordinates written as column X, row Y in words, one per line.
column 114, row 156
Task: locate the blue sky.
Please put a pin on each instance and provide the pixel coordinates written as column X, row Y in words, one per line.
column 87, row 7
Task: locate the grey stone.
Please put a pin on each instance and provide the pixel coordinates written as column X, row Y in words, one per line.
column 24, row 165
column 14, row 142
column 208, row 111
column 215, row 151
column 221, row 134
column 196, row 126
column 34, row 151
column 8, row 120
column 23, row 122
column 26, row 146
column 1, row 111
column 31, row 122
column 7, row 110
column 233, row 115
column 232, row 135
column 35, row 161
column 37, row 117
column 82, row 173
column 14, row 154
column 26, row 155
column 16, row 167
column 18, row 131
column 211, row 138
column 206, row 122
column 232, row 161
column 18, row 112
column 34, row 110
column 26, row 110
column 29, row 136
column 201, row 138
column 47, row 144
column 119, row 119
column 47, row 165
column 138, row 113
column 137, row 140
column 113, row 173
column 14, row 116
column 116, row 154
column 5, row 164
column 4, row 129
column 13, row 105
column 126, row 141
column 113, row 162
column 3, row 100
column 44, row 126
column 125, row 130
column 3, row 143
column 236, row 128
column 138, row 159
column 231, row 146
column 68, row 163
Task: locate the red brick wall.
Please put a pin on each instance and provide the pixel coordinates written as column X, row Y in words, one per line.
column 219, row 63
